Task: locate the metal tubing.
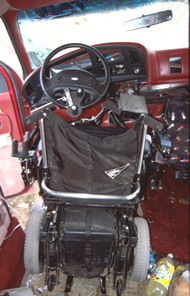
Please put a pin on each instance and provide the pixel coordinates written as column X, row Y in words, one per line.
column 88, row 198
column 42, row 134
column 142, row 149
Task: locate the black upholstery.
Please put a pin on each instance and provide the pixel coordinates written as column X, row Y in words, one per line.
column 78, row 161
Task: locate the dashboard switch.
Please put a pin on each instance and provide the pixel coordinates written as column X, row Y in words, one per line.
column 183, row 115
column 136, row 70
column 180, row 128
column 173, row 116
column 164, row 144
column 171, row 125
column 80, row 92
column 178, row 138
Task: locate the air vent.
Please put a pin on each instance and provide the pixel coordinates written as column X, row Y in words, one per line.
column 175, row 65
column 134, row 57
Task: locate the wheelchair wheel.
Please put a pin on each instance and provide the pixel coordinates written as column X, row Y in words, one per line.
column 32, row 256
column 138, row 271
column 119, row 287
column 50, row 282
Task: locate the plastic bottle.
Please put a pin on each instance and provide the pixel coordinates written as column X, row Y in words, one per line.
column 152, row 265
column 161, row 277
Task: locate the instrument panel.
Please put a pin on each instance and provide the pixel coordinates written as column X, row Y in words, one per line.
column 125, row 63
column 177, row 116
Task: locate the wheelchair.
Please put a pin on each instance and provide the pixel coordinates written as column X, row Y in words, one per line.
column 91, row 181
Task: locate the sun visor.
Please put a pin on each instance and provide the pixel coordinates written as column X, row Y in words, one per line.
column 4, row 6
column 23, row 4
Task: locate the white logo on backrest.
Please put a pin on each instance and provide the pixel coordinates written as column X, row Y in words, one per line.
column 115, row 172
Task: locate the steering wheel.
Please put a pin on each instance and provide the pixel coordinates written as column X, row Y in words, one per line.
column 79, row 87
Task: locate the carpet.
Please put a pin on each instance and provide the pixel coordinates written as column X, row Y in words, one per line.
column 168, row 220
column 168, row 217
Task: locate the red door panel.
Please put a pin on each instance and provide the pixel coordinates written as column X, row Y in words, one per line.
column 13, row 110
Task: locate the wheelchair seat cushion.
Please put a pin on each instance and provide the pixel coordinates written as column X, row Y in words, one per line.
column 81, row 161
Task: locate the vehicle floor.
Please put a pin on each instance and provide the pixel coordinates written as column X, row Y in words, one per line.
column 88, row 287
column 82, row 287
column 167, row 212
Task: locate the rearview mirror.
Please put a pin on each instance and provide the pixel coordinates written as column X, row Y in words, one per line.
column 148, row 20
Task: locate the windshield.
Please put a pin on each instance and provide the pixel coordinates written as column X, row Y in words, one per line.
column 96, row 21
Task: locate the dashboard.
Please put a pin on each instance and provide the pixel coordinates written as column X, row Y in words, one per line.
column 129, row 65
column 125, row 63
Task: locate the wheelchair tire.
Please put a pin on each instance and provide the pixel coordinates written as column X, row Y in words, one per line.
column 139, row 270
column 119, row 287
column 32, row 262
